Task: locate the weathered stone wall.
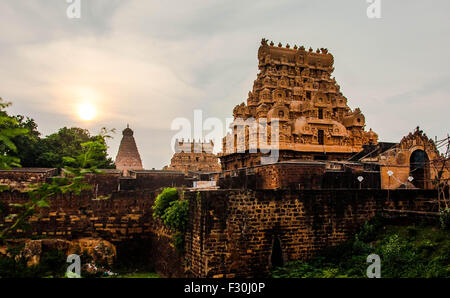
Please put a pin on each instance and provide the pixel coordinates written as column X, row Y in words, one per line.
column 282, row 176
column 152, row 180
column 299, row 175
column 231, row 233
column 22, row 178
column 104, row 184
column 124, row 218
column 124, row 215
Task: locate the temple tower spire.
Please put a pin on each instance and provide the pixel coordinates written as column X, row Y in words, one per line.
column 128, row 157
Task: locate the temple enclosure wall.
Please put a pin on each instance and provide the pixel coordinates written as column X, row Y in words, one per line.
column 231, row 233
column 124, row 218
column 234, row 233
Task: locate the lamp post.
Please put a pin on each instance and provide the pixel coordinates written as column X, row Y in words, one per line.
column 410, row 179
column 390, row 173
column 360, row 179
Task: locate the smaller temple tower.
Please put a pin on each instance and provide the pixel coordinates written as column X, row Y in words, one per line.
column 194, row 157
column 128, row 157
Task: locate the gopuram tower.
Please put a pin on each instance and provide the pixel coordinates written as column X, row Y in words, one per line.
column 302, row 107
column 128, row 157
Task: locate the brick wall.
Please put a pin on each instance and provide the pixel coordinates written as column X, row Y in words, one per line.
column 125, row 219
column 152, row 180
column 23, row 178
column 297, row 175
column 231, row 233
column 122, row 216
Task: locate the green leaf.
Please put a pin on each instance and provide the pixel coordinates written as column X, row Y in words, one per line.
column 43, row 204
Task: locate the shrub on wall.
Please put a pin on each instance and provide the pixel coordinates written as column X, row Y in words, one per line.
column 163, row 201
column 174, row 214
column 444, row 219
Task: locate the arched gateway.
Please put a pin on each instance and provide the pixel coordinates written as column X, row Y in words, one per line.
column 419, row 165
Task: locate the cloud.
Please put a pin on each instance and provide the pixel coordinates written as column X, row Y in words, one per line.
column 148, row 62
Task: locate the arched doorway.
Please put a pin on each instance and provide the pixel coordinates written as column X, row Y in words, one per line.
column 276, row 259
column 419, row 168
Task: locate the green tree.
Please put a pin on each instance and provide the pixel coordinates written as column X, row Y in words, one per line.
column 28, row 145
column 9, row 129
column 69, row 142
column 84, row 155
column 40, row 196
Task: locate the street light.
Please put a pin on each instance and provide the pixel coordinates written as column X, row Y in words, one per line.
column 390, row 173
column 360, row 179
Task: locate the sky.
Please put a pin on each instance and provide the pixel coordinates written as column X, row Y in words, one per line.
column 146, row 63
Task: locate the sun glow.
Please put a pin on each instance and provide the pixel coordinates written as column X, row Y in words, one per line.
column 87, row 111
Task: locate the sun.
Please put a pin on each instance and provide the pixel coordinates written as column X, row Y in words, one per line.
column 87, row 111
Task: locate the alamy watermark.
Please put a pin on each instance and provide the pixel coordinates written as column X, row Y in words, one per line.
column 374, row 269
column 74, row 9
column 374, row 9
column 242, row 135
column 74, row 269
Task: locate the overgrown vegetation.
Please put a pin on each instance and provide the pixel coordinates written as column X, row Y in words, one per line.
column 405, row 252
column 444, row 218
column 72, row 149
column 137, row 275
column 163, row 200
column 40, row 195
column 9, row 129
column 81, row 163
column 51, row 264
column 173, row 213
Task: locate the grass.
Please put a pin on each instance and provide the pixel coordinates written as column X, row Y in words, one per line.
column 406, row 252
column 137, row 275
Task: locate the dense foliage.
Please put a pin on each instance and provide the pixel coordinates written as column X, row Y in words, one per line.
column 9, row 130
column 174, row 214
column 405, row 252
column 69, row 142
column 51, row 264
column 73, row 181
column 21, row 144
column 444, row 218
column 163, row 201
column 85, row 154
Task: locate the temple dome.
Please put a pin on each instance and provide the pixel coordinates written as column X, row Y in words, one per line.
column 127, row 131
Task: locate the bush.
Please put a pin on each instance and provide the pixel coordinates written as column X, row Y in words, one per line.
column 444, row 218
column 163, row 201
column 405, row 252
column 178, row 242
column 52, row 263
column 176, row 216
